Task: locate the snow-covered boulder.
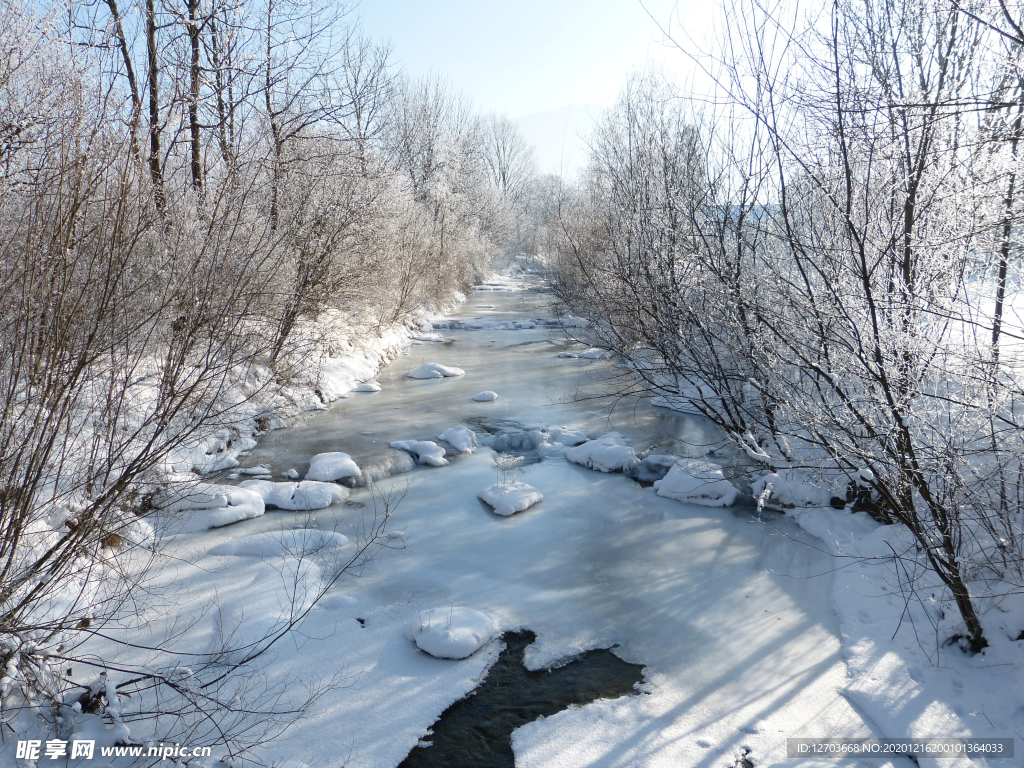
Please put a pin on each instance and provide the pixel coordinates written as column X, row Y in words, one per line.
column 653, row 468
column 565, row 436
column 698, row 482
column 799, row 488
column 450, row 633
column 425, row 451
column 606, row 454
column 292, row 474
column 368, row 386
column 595, row 354
column 297, row 496
column 435, row 371
column 332, row 466
column 295, row 543
column 461, row 438
column 216, row 505
column 486, row 397
column 509, row 498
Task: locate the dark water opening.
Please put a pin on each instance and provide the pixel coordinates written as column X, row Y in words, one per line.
column 476, row 731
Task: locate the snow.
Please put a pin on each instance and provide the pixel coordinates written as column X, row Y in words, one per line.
column 261, row 469
column 368, row 386
column 303, row 496
column 461, row 438
column 213, row 505
column 653, row 468
column 507, row 498
column 595, row 354
column 566, row 436
column 485, row 397
column 292, row 543
column 796, row 488
column 606, row 454
column 450, row 633
column 572, row 355
column 435, row 371
column 698, row 482
column 291, row 473
column 425, row 451
column 332, row 466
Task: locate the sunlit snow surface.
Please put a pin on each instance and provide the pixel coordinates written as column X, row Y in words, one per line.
column 731, row 616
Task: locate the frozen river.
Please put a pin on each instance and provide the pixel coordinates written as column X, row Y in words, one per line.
column 729, row 614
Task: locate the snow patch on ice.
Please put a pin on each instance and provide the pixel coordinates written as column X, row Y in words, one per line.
column 214, row 505
column 368, row 386
column 509, row 498
column 295, row 543
column 485, row 397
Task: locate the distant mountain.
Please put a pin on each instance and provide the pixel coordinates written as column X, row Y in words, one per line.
column 559, row 136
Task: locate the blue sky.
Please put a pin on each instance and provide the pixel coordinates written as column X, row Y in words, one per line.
column 532, row 56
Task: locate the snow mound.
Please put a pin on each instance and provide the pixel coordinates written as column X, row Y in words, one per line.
column 698, row 482
column 291, row 473
column 332, row 466
column 217, row 505
column 298, row 542
column 460, row 438
column 368, row 386
column 425, row 451
column 296, row 496
column 606, row 454
column 595, row 354
column 485, row 397
column 450, row 633
column 435, row 371
column 509, row 498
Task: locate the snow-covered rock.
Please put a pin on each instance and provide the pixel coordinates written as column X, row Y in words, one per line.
column 798, row 488
column 450, row 633
column 297, row 496
column 461, row 438
column 297, row 542
column 653, row 468
column 332, row 466
column 368, row 386
column 568, row 354
column 260, row 469
column 425, row 451
column 595, row 354
column 435, row 371
column 606, row 454
column 509, row 498
column 485, row 397
column 698, row 482
column 291, row 473
column 216, row 505
column 565, row 436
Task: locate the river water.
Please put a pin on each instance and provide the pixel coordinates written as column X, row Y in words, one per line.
column 729, row 614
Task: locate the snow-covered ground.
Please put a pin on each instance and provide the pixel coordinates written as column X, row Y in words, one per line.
column 750, row 630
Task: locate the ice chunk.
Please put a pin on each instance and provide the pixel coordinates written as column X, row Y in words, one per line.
column 332, row 466
column 485, row 397
column 435, row 371
column 509, row 498
column 698, row 482
column 450, row 633
column 296, row 496
column 298, row 542
column 606, row 454
column 368, row 386
column 460, row 438
column 425, row 451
